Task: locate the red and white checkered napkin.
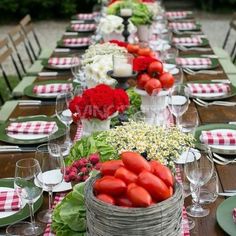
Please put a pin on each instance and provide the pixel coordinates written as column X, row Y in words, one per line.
column 182, row 25
column 85, row 16
column 60, row 61
column 208, row 88
column 187, row 41
column 31, row 127
column 194, row 62
column 218, row 138
column 177, row 14
column 76, row 41
column 83, row 27
column 9, row 201
column 52, row 88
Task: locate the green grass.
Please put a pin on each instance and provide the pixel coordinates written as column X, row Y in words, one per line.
column 5, row 92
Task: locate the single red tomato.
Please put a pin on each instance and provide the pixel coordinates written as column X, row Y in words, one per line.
column 139, row 196
column 106, row 198
column 112, row 186
column 163, row 172
column 144, row 51
column 142, row 80
column 110, row 167
column 154, row 185
column 153, row 86
column 155, row 68
column 126, row 175
column 124, row 201
column 132, row 48
column 135, row 162
column 96, row 185
column 167, row 80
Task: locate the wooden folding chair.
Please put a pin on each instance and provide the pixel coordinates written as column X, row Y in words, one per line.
column 232, row 27
column 221, row 52
column 28, row 29
column 18, row 40
column 5, row 53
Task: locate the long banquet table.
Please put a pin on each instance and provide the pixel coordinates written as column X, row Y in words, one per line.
column 212, row 114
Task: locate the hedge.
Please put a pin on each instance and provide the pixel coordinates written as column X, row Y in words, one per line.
column 41, row 9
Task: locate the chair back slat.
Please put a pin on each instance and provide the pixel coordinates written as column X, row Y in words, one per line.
column 16, row 36
column 27, row 27
column 7, row 52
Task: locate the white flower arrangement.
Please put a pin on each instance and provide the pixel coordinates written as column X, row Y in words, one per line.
column 113, row 24
column 101, row 49
column 96, row 72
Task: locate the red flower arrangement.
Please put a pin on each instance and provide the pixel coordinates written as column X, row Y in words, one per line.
column 99, row 102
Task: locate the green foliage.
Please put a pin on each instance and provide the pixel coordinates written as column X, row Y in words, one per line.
column 141, row 14
column 41, row 9
column 89, row 145
column 69, row 216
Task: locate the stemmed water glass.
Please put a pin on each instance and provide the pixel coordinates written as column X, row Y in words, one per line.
column 198, row 170
column 26, row 172
column 178, row 101
column 52, row 165
column 64, row 114
column 76, row 70
column 189, row 121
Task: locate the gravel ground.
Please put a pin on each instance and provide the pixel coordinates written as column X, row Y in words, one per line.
column 215, row 27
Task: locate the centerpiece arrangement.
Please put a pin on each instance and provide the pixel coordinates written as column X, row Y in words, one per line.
column 141, row 16
column 96, row 106
column 156, row 143
column 97, row 60
column 111, row 27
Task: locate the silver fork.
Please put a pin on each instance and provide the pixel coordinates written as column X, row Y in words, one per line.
column 209, row 72
column 186, row 32
column 221, row 160
column 200, row 102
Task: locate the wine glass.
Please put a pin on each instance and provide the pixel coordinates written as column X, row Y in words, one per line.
column 178, row 101
column 198, row 171
column 76, row 69
column 52, row 164
column 189, row 121
column 26, row 172
column 64, row 114
column 208, row 192
column 186, row 192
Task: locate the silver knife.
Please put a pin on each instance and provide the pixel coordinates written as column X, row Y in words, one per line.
column 19, row 149
column 227, row 194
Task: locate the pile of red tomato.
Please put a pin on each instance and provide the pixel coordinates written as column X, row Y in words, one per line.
column 155, row 79
column 133, row 182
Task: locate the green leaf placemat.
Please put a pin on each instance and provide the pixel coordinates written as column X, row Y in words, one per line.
column 23, row 213
column 5, row 138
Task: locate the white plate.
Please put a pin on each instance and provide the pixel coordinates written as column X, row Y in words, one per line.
column 60, row 66
column 197, row 67
column 182, row 157
column 30, row 136
column 75, row 45
column 223, row 149
column 63, row 186
column 4, row 214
